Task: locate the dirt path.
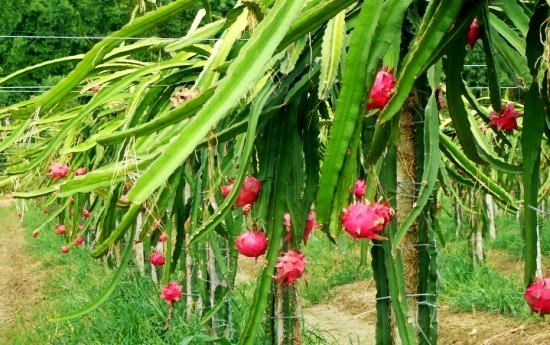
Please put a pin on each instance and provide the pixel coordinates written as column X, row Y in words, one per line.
column 20, row 279
column 351, row 319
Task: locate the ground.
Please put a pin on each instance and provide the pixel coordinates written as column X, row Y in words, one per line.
column 348, row 315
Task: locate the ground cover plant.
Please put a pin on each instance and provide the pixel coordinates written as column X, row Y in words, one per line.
column 257, row 133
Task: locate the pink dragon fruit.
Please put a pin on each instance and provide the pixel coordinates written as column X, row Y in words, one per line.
column 359, row 189
column 58, row 171
column 163, row 237
column 86, row 213
column 311, row 224
column 226, row 189
column 80, row 171
column 290, row 267
column 363, row 221
column 385, row 211
column 473, row 33
column 171, row 293
column 79, row 241
column 60, row 229
column 252, row 243
column 537, row 296
column 506, row 120
column 382, row 89
column 288, row 227
column 249, row 192
column 157, row 259
column 64, row 249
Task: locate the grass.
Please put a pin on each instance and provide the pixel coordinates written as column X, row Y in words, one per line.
column 136, row 315
column 466, row 288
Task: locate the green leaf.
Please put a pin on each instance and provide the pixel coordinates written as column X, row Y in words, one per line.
column 349, row 107
column 331, row 53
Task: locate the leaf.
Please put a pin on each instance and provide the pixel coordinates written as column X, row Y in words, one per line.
column 331, row 53
column 349, row 106
column 430, row 167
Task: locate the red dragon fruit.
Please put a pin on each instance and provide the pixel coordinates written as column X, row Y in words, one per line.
column 79, row 241
column 359, row 189
column 64, row 249
column 473, row 33
column 249, row 192
column 311, row 224
column 506, row 120
column 226, row 189
column 35, row 233
column 58, row 171
column 157, row 259
column 288, row 227
column 171, row 293
column 537, row 296
column 163, row 237
column 252, row 243
column 385, row 211
column 86, row 213
column 60, row 229
column 290, row 267
column 382, row 89
column 364, row 221
column 80, row 171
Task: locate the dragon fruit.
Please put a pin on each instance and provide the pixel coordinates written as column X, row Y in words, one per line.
column 385, row 211
column 79, row 241
column 157, row 259
column 311, row 224
column 365, row 221
column 537, row 296
column 80, row 171
column 58, row 171
column 359, row 189
column 249, row 191
column 473, row 33
column 162, row 237
column 290, row 267
column 86, row 213
column 60, row 229
column 35, row 233
column 288, row 227
column 252, row 243
column 382, row 89
column 171, row 293
column 506, row 120
column 64, row 249
column 226, row 189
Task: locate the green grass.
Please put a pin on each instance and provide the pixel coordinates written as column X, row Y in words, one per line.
column 134, row 314
column 466, row 288
column 509, row 236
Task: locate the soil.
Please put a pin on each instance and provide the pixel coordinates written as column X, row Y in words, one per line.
column 20, row 278
column 351, row 318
